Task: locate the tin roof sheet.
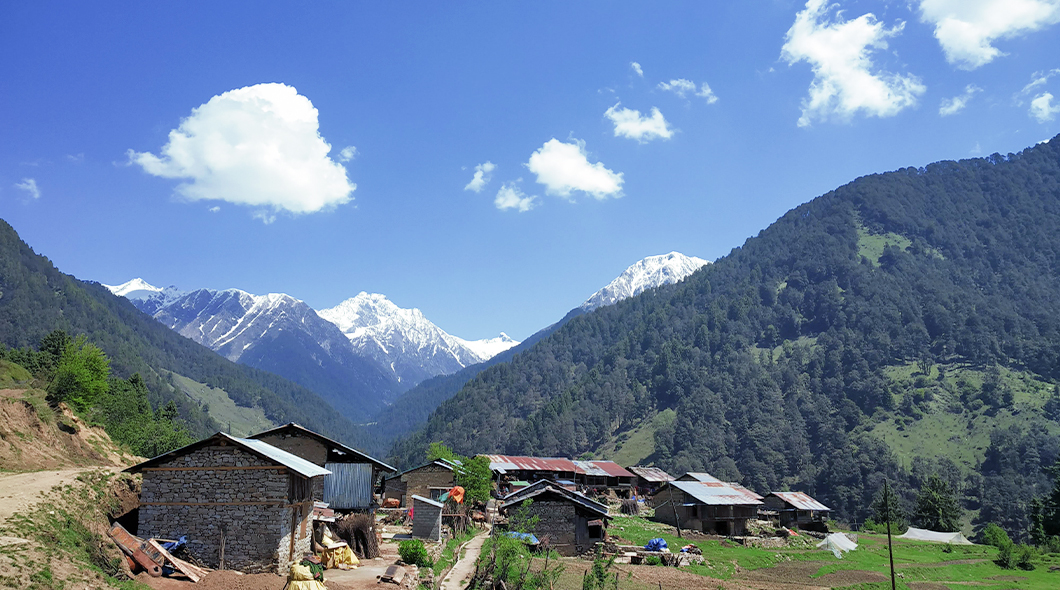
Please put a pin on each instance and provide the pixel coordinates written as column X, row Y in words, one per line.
column 699, row 476
column 652, row 474
column 610, row 468
column 292, row 427
column 544, row 487
column 800, row 501
column 715, row 493
column 280, row 456
column 518, row 463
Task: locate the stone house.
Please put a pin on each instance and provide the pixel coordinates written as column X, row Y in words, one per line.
column 354, row 477
column 429, row 480
column 712, row 507
column 243, row 504
column 797, row 509
column 426, row 519
column 568, row 522
column 649, row 479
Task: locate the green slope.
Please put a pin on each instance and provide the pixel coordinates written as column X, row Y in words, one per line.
column 783, row 361
column 37, row 299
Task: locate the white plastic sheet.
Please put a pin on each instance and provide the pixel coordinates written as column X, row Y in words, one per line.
column 838, row 544
column 935, row 536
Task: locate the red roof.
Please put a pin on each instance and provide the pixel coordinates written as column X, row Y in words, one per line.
column 613, row 469
column 516, row 463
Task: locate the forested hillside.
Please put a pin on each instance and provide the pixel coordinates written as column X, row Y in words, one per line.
column 35, row 299
column 920, row 296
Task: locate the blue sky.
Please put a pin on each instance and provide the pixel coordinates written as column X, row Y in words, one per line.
column 762, row 105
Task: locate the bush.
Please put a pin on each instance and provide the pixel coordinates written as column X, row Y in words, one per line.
column 1012, row 556
column 652, row 560
column 415, row 552
column 995, row 535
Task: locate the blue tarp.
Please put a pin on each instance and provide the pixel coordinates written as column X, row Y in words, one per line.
column 527, row 537
column 656, row 544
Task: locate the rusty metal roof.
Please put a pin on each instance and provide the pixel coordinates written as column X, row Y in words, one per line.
column 652, row 474
column 715, row 493
column 601, row 469
column 699, row 476
column 800, row 501
column 505, row 463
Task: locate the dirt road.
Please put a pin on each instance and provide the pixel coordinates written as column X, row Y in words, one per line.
column 465, row 566
column 18, row 491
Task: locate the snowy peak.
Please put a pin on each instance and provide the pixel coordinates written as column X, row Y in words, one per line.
column 137, row 284
column 653, row 271
column 405, row 340
column 147, row 297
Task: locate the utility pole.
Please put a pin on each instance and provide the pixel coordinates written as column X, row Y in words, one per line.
column 677, row 519
column 888, row 511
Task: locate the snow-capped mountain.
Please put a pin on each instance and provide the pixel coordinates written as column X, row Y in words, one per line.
column 147, row 297
column 405, row 340
column 651, row 272
column 276, row 333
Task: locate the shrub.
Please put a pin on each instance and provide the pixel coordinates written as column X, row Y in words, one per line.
column 995, row 535
column 1012, row 556
column 652, row 560
column 415, row 552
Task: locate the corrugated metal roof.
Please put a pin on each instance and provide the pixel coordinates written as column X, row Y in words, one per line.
column 746, row 491
column 610, row 468
column 339, row 447
column 293, row 462
column 699, row 476
column 434, row 503
column 590, row 468
column 543, row 487
column 652, row 474
column 517, row 463
column 800, row 500
column 715, row 493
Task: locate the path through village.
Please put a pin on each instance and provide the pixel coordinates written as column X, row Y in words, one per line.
column 465, row 567
column 19, row 491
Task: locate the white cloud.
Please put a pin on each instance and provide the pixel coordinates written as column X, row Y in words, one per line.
column 967, row 29
column 483, row 174
column 845, row 81
column 258, row 146
column 1042, row 107
column 707, row 93
column 347, row 153
column 30, row 186
column 77, row 159
column 629, row 123
column 952, row 106
column 512, row 197
column 564, row 168
column 1040, row 79
column 214, row 209
column 681, row 87
column 636, row 68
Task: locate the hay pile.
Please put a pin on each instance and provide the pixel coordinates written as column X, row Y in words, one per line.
column 630, row 507
column 358, row 530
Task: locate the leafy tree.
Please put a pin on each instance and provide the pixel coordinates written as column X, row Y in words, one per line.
column 887, row 507
column 995, row 535
column 80, row 375
column 437, row 450
column 937, row 507
column 475, row 477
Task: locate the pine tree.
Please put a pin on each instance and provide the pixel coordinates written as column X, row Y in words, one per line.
column 937, row 507
column 886, row 507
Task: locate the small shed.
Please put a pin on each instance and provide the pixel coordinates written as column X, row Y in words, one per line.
column 426, row 519
column 796, row 508
column 649, row 479
column 429, row 480
column 354, row 475
column 709, row 506
column 567, row 521
column 242, row 503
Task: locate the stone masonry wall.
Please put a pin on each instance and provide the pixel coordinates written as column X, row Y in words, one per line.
column 248, row 506
column 557, row 522
column 420, row 481
column 307, row 448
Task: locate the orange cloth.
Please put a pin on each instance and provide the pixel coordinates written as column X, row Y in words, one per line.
column 457, row 494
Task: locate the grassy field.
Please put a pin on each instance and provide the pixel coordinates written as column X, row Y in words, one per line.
column 237, row 420
column 929, row 566
column 632, row 447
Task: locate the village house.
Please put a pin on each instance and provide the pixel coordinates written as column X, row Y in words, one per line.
column 429, row 480
column 242, row 503
column 567, row 521
column 797, row 509
column 708, row 478
column 713, row 507
column 354, row 477
column 598, row 476
column 649, row 479
column 509, row 469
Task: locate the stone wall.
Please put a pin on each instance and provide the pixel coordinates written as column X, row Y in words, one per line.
column 558, row 522
column 245, row 500
column 307, row 448
column 419, row 482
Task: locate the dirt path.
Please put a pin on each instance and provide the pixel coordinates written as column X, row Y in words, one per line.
column 18, row 491
column 465, row 566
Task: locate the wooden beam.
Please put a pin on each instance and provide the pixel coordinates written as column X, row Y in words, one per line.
column 218, row 468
